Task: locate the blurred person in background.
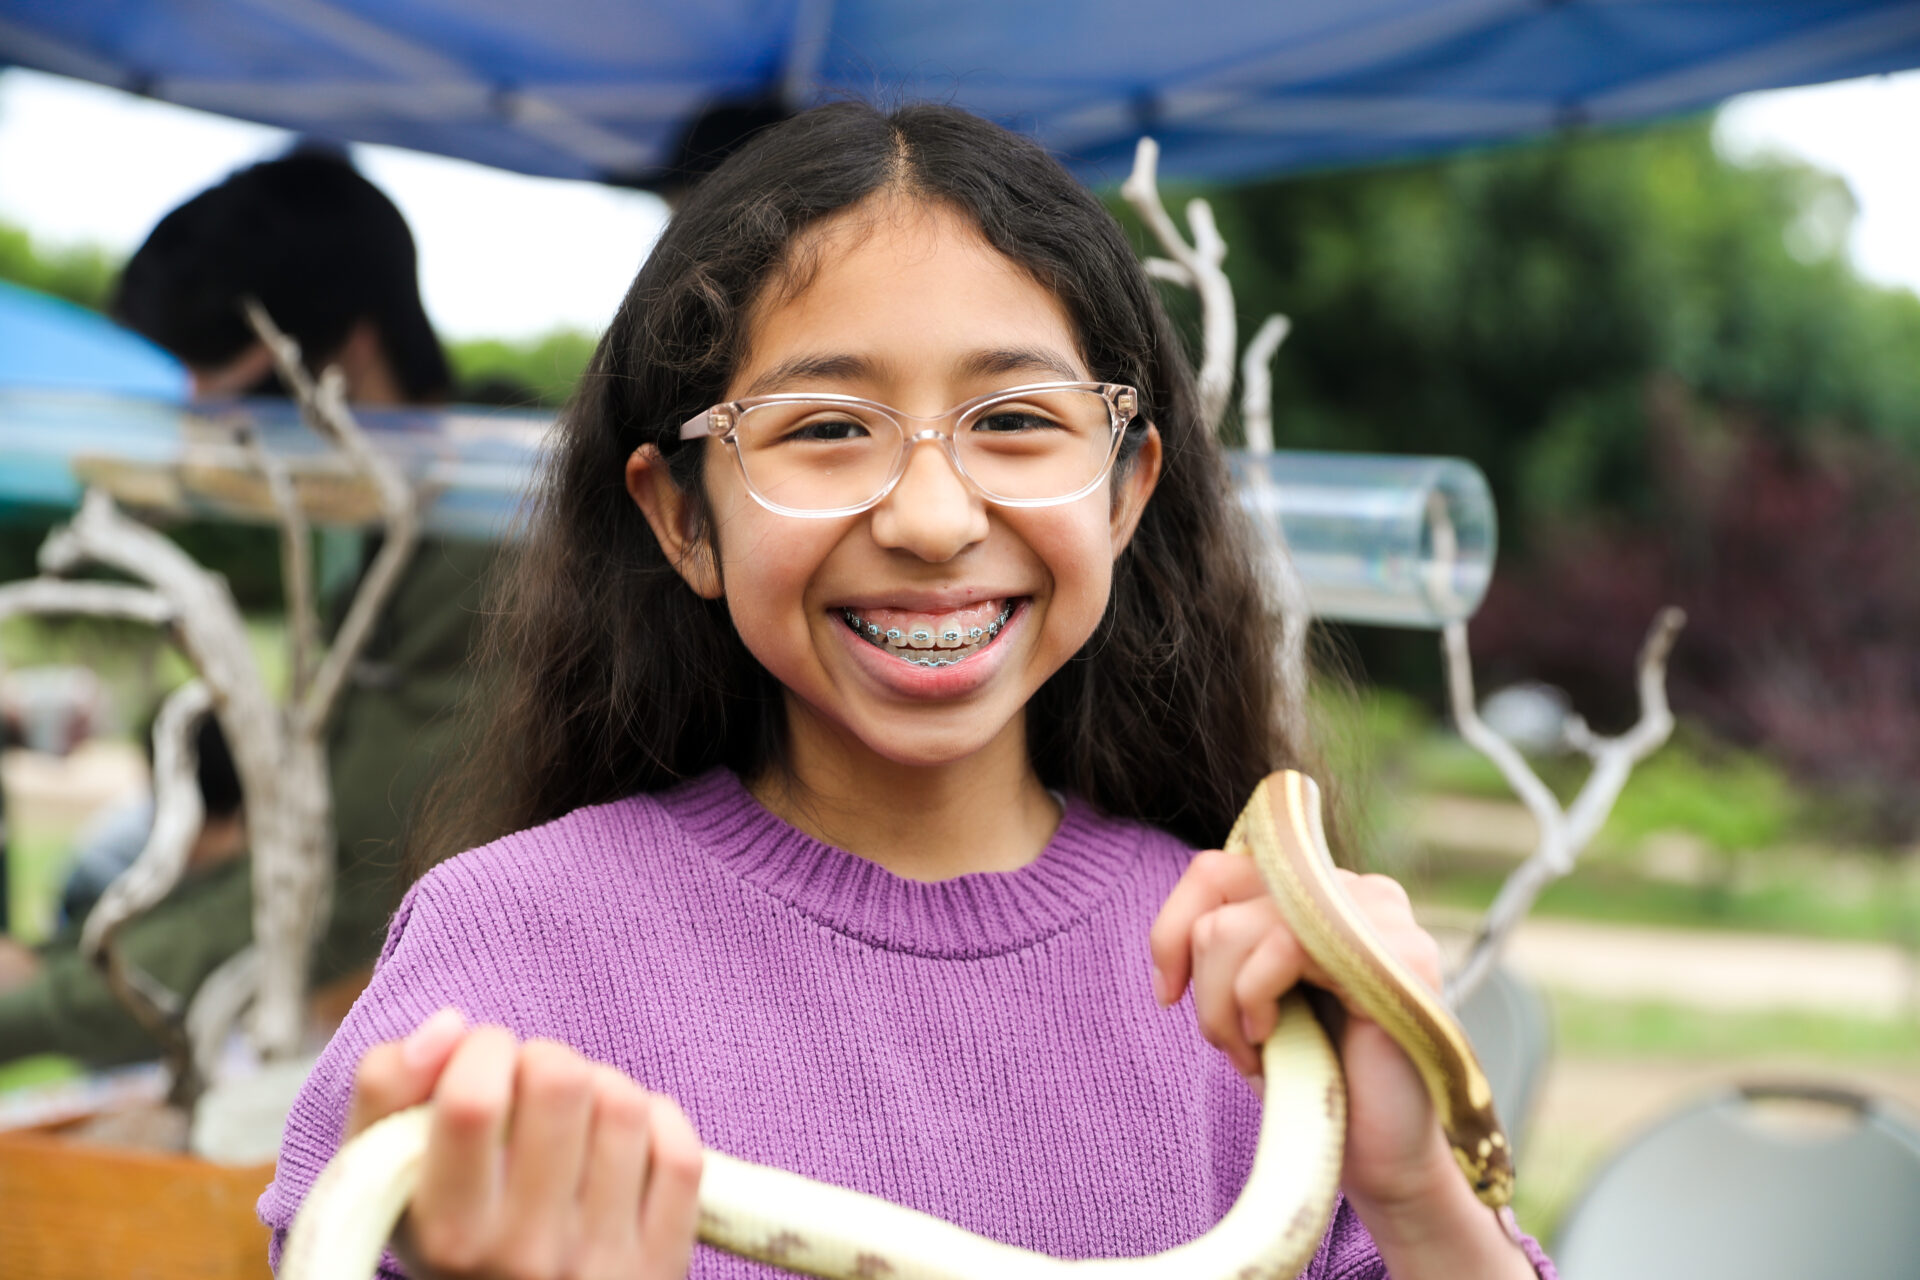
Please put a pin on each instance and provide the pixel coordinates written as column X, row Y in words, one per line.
column 55, row 983
column 333, row 262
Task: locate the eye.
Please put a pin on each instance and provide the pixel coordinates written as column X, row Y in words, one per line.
column 828, row 430
column 1012, row 420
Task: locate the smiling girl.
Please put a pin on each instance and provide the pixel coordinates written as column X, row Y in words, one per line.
column 886, row 646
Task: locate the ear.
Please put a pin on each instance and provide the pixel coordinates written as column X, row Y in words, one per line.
column 363, row 359
column 1131, row 493
column 233, row 377
column 670, row 514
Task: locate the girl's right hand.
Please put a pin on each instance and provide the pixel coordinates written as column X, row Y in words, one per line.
column 540, row 1164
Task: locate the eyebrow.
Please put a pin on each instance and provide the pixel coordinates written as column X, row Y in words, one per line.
column 854, row 368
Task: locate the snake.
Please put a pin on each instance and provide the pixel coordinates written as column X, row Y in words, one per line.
column 810, row 1228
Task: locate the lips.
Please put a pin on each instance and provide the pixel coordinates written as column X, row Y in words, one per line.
column 931, row 639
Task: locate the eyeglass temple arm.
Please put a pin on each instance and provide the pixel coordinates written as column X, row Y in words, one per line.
column 699, row 426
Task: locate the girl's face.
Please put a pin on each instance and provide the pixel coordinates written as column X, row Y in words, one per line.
column 906, row 304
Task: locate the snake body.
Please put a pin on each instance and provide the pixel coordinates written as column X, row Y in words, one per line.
column 811, row 1228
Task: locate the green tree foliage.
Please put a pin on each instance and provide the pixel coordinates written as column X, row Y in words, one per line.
column 84, row 274
column 537, row 372
column 1510, row 306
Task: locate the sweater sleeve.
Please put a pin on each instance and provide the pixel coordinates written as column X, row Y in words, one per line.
column 1348, row 1253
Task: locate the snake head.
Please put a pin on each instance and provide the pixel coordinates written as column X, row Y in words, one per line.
column 1490, row 1174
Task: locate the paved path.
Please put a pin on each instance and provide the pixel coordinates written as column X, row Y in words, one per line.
column 1715, row 969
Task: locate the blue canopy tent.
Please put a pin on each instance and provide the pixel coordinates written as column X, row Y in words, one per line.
column 633, row 91
column 613, row 89
column 49, row 342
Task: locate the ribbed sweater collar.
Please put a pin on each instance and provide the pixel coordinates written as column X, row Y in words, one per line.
column 986, row 913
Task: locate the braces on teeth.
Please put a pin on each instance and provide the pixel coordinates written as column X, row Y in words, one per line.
column 921, row 641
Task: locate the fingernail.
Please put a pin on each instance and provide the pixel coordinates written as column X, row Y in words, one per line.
column 1246, row 1029
column 1160, row 984
column 431, row 1037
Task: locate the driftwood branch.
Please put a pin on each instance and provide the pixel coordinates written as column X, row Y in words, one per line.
column 1256, row 384
column 279, row 753
column 323, row 405
column 177, row 817
column 1197, row 266
column 296, row 577
column 207, row 625
column 224, row 996
column 96, row 599
column 1563, row 833
column 1283, row 577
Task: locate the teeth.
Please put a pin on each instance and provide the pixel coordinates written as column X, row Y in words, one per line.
column 953, row 644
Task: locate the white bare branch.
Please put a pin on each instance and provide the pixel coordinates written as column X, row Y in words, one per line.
column 216, row 1008
column 1256, row 383
column 296, row 578
column 1200, row 262
column 1283, row 576
column 324, row 407
column 177, row 817
column 1169, row 271
column 95, row 599
column 286, row 825
column 1564, row 834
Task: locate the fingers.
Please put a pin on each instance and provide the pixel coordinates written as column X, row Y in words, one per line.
column 539, row 1162
column 639, row 1196
column 553, row 1101
column 402, row 1073
column 671, row 1209
column 1220, row 932
column 1383, row 901
column 455, row 1209
column 1213, row 879
column 1224, row 941
column 616, row 1170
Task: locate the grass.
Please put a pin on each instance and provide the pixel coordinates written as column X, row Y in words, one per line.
column 1593, row 1028
column 1806, row 894
column 35, row 863
column 41, row 1068
column 135, row 663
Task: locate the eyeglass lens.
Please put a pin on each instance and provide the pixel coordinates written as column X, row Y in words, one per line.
column 819, row 456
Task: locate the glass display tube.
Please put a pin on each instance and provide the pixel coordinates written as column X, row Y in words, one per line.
column 1376, row 538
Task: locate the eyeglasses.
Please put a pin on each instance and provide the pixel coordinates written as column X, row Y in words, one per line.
column 828, row 455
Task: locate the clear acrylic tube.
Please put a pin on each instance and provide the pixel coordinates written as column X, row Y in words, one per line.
column 1376, row 538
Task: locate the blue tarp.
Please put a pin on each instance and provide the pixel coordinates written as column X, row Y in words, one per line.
column 47, row 342
column 606, row 88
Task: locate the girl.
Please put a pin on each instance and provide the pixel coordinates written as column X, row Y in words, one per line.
column 885, row 649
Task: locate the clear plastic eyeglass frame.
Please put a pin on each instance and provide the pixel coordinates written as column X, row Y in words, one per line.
column 721, row 421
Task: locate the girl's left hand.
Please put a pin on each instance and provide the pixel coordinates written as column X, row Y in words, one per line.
column 1221, row 931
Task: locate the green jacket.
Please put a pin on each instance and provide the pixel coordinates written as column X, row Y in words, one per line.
column 395, row 723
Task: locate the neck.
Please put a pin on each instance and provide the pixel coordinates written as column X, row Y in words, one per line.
column 985, row 812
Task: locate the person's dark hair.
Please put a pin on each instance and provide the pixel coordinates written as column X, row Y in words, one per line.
column 609, row 675
column 214, row 771
column 219, row 781
column 320, row 247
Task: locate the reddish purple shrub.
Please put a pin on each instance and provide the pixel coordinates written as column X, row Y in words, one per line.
column 1799, row 567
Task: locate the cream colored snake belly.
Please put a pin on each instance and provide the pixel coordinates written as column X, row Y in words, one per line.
column 811, row 1228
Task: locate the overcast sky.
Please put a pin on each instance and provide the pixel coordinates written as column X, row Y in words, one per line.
column 508, row 256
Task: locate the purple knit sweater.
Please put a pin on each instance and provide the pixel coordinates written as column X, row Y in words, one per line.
column 985, row 1048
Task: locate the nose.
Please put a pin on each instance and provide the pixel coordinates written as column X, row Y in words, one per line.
column 932, row 512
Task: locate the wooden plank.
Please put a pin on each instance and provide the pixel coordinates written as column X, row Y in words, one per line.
column 70, row 1210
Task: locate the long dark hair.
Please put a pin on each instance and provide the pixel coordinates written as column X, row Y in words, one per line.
column 609, row 676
